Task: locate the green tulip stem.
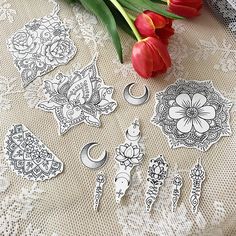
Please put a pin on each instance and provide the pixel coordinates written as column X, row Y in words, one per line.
column 132, row 17
column 127, row 18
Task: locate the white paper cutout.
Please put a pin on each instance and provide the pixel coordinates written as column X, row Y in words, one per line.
column 133, row 100
column 28, row 157
column 157, row 172
column 177, row 184
column 40, row 46
column 128, row 155
column 90, row 162
column 197, row 175
column 192, row 114
column 77, row 98
column 98, row 191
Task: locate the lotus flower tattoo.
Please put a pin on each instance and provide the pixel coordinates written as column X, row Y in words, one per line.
column 129, row 155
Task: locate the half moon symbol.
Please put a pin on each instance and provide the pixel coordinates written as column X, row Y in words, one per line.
column 135, row 100
column 88, row 161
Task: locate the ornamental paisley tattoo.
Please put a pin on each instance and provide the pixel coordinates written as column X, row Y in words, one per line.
column 192, row 114
column 28, row 157
column 77, row 98
column 40, row 46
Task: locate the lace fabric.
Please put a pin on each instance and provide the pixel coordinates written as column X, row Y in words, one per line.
column 201, row 49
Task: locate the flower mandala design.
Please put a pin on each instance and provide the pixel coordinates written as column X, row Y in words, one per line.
column 192, row 114
column 40, row 46
column 129, row 155
column 80, row 97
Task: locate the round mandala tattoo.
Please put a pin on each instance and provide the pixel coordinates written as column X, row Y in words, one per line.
column 192, row 114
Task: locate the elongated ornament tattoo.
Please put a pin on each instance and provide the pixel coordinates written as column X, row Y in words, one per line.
column 157, row 173
column 128, row 155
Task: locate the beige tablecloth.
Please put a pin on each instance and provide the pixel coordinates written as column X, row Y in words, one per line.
column 201, row 49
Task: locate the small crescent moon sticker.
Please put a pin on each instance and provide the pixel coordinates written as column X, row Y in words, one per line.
column 136, row 101
column 88, row 161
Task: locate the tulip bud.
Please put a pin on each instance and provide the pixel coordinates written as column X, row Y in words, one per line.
column 150, row 57
column 151, row 24
column 185, row 8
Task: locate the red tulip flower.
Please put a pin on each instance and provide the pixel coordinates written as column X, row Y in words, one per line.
column 151, row 24
column 185, row 8
column 150, row 57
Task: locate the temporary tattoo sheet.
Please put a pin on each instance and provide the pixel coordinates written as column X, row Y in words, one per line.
column 177, row 184
column 197, row 176
column 157, row 173
column 40, row 46
column 77, row 98
column 192, row 114
column 28, row 157
column 128, row 155
column 98, row 191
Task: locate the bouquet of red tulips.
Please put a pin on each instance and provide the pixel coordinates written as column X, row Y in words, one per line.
column 148, row 21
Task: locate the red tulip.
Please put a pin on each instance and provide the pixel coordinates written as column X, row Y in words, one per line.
column 185, row 8
column 151, row 24
column 150, row 57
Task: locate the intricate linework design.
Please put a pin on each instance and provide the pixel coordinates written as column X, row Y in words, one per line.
column 40, row 46
column 81, row 97
column 197, row 175
column 128, row 155
column 100, row 181
column 192, row 114
column 157, row 172
column 28, row 157
column 177, row 184
column 90, row 162
column 131, row 99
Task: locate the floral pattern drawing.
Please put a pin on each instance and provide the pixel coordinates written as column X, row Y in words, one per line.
column 6, row 12
column 77, row 98
column 176, row 191
column 157, row 172
column 136, row 222
column 40, row 46
column 98, row 191
column 28, row 157
column 128, row 155
column 197, row 176
column 192, row 114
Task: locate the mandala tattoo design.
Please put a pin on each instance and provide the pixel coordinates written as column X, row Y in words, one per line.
column 197, row 175
column 77, row 98
column 192, row 114
column 177, row 184
column 128, row 155
column 40, row 46
column 28, row 157
column 157, row 173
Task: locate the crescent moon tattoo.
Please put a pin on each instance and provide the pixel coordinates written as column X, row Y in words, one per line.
column 88, row 161
column 135, row 100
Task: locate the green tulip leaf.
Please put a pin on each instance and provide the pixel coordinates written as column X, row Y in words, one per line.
column 142, row 5
column 102, row 11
